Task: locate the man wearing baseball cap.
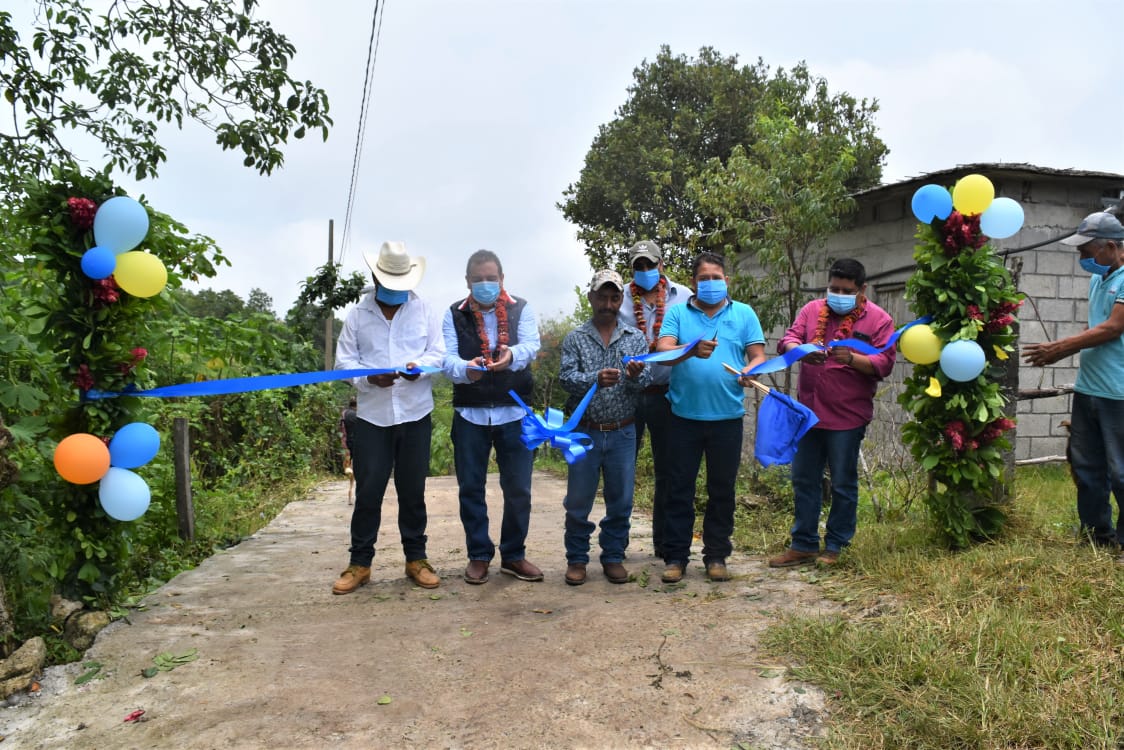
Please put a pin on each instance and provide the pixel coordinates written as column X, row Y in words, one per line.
column 1096, row 443
column 592, row 354
column 391, row 328
column 647, row 298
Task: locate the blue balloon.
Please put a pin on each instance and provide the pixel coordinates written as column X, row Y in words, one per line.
column 98, row 262
column 120, row 224
column 963, row 360
column 931, row 202
column 1002, row 218
column 133, row 445
column 124, row 495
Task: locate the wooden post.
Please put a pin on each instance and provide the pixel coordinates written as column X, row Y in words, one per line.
column 329, row 333
column 181, row 448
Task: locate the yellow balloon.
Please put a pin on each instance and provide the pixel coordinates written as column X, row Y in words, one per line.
column 140, row 274
column 972, row 194
column 920, row 345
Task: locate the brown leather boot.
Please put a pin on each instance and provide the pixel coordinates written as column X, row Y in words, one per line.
column 351, row 579
column 575, row 574
column 422, row 573
column 792, row 557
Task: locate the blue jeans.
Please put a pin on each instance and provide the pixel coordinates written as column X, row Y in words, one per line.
column 613, row 456
column 404, row 450
column 839, row 451
column 654, row 413
column 472, row 445
column 721, row 442
column 1096, row 456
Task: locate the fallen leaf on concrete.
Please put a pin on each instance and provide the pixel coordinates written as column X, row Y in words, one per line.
column 135, row 715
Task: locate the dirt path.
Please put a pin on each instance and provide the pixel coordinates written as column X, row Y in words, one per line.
column 282, row 663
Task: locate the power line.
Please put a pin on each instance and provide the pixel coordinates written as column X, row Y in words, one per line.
column 372, row 55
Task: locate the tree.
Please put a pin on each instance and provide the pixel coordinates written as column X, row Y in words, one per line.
column 259, row 301
column 777, row 203
column 680, row 116
column 115, row 77
column 207, row 303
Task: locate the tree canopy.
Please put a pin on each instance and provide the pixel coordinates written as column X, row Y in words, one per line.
column 115, row 77
column 685, row 118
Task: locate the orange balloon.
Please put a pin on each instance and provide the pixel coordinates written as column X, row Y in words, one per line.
column 81, row 458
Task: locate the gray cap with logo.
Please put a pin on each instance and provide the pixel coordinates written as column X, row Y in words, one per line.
column 1098, row 226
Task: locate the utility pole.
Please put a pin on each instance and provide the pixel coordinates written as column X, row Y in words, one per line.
column 329, row 333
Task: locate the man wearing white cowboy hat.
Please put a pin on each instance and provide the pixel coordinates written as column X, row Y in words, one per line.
column 391, row 327
column 491, row 338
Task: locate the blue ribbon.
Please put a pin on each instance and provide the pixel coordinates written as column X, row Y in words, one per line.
column 789, row 358
column 663, row 356
column 551, row 429
column 256, row 383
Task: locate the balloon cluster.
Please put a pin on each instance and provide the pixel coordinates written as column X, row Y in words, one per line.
column 960, row 360
column 83, row 458
column 972, row 195
column 120, row 224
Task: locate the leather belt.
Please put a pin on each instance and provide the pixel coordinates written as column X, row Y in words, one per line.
column 606, row 426
column 656, row 388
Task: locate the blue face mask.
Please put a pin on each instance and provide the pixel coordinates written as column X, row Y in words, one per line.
column 646, row 279
column 841, row 304
column 391, row 297
column 712, row 291
column 485, row 292
column 1094, row 267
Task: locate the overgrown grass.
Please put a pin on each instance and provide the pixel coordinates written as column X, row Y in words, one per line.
column 1017, row 643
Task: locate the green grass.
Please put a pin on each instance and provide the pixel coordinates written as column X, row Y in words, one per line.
column 1017, row 643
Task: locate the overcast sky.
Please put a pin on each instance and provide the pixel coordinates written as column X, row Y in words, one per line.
column 482, row 112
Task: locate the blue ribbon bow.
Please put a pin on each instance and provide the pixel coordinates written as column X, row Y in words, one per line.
column 551, row 429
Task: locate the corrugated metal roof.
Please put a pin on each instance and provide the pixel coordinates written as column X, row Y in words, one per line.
column 988, row 168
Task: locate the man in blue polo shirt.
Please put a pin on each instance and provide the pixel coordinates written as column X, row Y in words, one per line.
column 707, row 409
column 1096, row 443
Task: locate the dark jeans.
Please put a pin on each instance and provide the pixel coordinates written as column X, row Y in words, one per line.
column 472, row 445
column 654, row 413
column 1096, row 456
column 403, row 449
column 839, row 451
column 613, row 455
column 721, row 442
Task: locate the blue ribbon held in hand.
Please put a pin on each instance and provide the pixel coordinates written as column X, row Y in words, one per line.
column 551, row 429
column 789, row 358
column 256, row 383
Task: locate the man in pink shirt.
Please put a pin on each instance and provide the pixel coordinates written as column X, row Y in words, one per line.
column 839, row 386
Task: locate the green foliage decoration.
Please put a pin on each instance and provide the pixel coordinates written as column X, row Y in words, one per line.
column 959, row 436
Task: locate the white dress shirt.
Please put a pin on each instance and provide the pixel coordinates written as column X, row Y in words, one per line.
column 369, row 340
column 522, row 353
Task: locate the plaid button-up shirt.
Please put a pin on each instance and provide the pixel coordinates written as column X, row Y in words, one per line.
column 584, row 354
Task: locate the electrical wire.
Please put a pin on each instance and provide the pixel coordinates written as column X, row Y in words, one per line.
column 364, row 106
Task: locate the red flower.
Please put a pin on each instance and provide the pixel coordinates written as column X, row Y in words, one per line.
column 84, row 380
column 139, row 354
column 106, row 291
column 974, row 312
column 82, row 212
column 961, row 231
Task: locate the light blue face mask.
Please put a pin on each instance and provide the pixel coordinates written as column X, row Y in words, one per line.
column 841, row 304
column 485, row 292
column 1094, row 267
column 391, row 297
column 646, row 279
column 712, row 291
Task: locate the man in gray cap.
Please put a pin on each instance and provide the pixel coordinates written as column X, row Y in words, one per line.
column 592, row 354
column 649, row 295
column 1096, row 443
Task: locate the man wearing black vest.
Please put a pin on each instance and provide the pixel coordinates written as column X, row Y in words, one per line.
column 491, row 338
